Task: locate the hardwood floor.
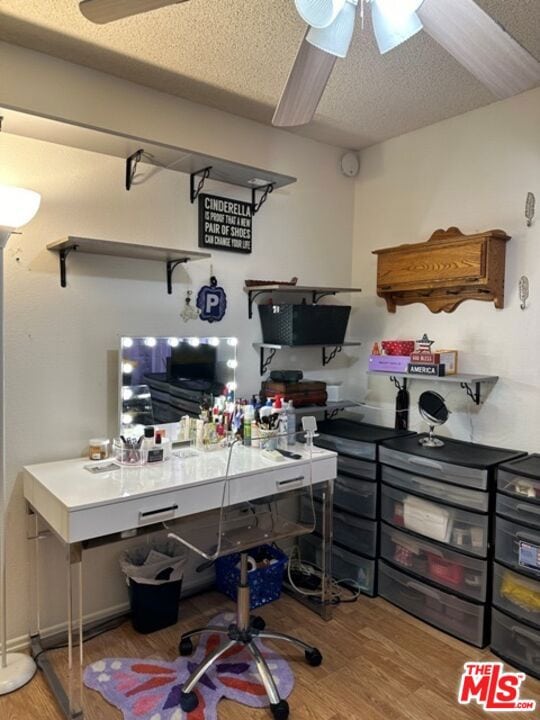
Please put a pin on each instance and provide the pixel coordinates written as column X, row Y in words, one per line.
column 379, row 663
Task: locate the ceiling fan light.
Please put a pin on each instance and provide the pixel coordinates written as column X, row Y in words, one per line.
column 393, row 27
column 336, row 38
column 319, row 13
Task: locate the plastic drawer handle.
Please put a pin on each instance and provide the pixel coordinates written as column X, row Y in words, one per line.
column 426, row 463
column 292, row 481
column 529, row 538
column 529, row 634
column 157, row 515
column 424, row 590
column 531, row 509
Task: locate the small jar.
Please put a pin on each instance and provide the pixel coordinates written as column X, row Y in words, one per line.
column 98, row 448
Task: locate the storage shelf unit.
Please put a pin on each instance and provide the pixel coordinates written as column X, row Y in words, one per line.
column 316, row 292
column 172, row 257
column 471, row 383
column 266, row 358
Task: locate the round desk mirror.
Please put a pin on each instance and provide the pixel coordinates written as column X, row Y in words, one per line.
column 433, row 410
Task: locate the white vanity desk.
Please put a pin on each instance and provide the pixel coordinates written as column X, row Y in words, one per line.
column 78, row 507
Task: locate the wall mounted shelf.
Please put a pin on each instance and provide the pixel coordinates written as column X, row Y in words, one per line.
column 266, row 358
column 316, row 292
column 470, row 383
column 172, row 257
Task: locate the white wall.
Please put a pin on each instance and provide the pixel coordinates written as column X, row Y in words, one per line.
column 473, row 171
column 61, row 343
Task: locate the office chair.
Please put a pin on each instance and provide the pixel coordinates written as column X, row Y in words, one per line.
column 247, row 628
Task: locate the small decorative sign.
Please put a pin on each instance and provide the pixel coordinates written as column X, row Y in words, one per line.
column 212, row 301
column 224, row 224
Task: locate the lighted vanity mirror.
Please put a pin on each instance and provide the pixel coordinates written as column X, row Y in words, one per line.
column 162, row 379
column 433, row 410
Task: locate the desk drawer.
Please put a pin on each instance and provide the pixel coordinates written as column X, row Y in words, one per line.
column 446, row 612
column 353, row 448
column 455, row 474
column 455, row 571
column 346, row 565
column 458, row 529
column 452, row 494
column 517, row 594
column 525, row 488
column 509, row 538
column 518, row 510
column 516, row 643
column 357, row 468
column 356, row 496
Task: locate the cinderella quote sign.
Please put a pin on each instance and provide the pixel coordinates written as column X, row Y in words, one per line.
column 224, row 224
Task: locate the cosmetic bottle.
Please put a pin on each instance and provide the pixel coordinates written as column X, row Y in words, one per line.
column 149, row 439
column 291, row 423
column 155, row 454
column 249, row 416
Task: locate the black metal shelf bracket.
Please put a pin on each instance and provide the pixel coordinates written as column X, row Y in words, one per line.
column 265, row 191
column 171, row 266
column 330, row 414
column 202, row 176
column 131, row 167
column 399, row 385
column 473, row 394
column 328, row 358
column 252, row 295
column 266, row 361
column 62, row 254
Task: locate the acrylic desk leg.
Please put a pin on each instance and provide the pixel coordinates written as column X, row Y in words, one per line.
column 327, row 535
column 75, row 629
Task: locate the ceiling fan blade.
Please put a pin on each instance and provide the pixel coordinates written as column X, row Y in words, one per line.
column 305, row 85
column 105, row 11
column 481, row 45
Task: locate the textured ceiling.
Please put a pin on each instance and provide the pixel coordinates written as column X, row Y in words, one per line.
column 235, row 55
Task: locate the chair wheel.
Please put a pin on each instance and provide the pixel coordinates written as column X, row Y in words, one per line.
column 188, row 701
column 185, row 647
column 257, row 623
column 314, row 657
column 280, row 710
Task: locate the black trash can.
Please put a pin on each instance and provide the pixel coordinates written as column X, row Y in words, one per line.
column 154, row 575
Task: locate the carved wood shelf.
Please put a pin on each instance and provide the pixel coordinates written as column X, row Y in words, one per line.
column 444, row 271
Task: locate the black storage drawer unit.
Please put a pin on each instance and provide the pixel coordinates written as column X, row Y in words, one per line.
column 304, row 324
column 516, row 643
column 437, row 511
column 356, row 494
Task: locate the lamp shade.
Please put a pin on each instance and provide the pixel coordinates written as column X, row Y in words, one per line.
column 17, row 206
column 319, row 13
column 394, row 21
column 336, row 38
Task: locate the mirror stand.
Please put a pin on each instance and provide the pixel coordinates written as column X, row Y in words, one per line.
column 431, row 441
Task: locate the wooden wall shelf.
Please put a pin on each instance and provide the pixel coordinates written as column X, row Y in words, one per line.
column 444, row 271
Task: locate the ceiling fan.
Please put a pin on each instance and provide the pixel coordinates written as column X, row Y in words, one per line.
column 468, row 33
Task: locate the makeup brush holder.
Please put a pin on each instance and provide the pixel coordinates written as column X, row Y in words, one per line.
column 127, row 456
column 268, row 439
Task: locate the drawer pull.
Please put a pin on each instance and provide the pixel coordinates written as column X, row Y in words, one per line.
column 528, row 509
column 529, row 634
column 425, row 463
column 292, row 481
column 423, row 590
column 156, row 514
column 529, row 538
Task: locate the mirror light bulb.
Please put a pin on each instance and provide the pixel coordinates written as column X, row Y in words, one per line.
column 214, row 341
column 127, row 342
column 233, row 342
column 194, row 342
column 150, row 342
column 233, row 364
column 173, row 342
column 127, row 368
column 127, row 393
column 231, row 386
column 127, row 419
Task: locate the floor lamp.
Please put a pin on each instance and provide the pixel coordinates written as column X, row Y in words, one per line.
column 17, row 207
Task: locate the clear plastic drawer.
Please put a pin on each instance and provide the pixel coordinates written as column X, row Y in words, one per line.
column 459, row 573
column 517, row 546
column 438, row 470
column 353, row 448
column 516, row 594
column 515, row 642
column 355, row 533
column 453, row 494
column 518, row 510
column 459, row 529
column 525, row 488
column 357, row 468
column 357, row 496
column 458, row 617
